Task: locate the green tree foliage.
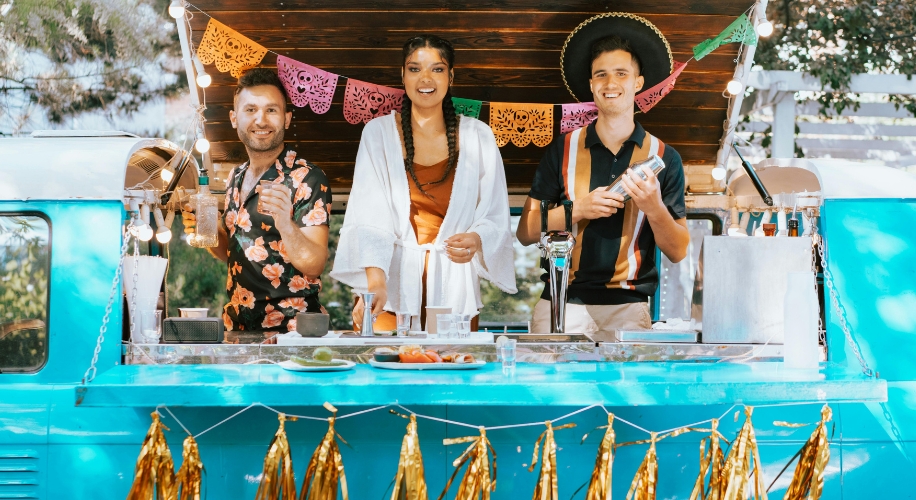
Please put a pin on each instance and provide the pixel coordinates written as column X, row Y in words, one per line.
column 835, row 39
column 194, row 278
column 64, row 58
column 24, row 264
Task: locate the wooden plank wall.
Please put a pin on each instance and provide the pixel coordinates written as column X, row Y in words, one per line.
column 506, row 50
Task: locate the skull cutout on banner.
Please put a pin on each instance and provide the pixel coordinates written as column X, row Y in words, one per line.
column 229, row 50
column 365, row 101
column 307, row 85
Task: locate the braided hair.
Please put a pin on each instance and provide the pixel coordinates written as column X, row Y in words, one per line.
column 447, row 53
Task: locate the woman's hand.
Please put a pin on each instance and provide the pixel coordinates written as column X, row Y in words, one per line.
column 461, row 247
column 378, row 286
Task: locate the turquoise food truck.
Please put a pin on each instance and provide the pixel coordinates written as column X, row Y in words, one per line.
column 74, row 414
column 740, row 350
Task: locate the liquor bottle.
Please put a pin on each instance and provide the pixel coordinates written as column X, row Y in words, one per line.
column 205, row 205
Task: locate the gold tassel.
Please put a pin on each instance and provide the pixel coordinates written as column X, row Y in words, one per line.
column 599, row 488
column 325, row 468
column 547, row 478
column 738, row 464
column 277, row 479
column 476, row 482
column 410, row 483
column 154, row 476
column 711, row 462
column 808, row 480
column 190, row 475
column 646, row 478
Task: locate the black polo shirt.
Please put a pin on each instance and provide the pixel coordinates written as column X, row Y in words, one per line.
column 614, row 258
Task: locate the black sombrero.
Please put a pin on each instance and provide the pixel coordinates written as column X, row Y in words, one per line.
column 648, row 42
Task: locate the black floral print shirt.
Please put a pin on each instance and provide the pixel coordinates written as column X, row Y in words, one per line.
column 265, row 290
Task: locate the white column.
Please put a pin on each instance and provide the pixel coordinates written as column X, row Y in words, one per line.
column 783, row 145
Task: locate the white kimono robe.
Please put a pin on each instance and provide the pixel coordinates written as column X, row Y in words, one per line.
column 377, row 232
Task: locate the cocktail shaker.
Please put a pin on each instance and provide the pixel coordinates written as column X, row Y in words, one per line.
column 653, row 162
column 366, row 328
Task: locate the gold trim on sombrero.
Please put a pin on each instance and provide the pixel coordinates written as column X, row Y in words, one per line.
column 612, row 14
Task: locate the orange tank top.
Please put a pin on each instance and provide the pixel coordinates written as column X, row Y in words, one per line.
column 428, row 210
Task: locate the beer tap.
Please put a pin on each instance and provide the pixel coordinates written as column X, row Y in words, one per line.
column 556, row 247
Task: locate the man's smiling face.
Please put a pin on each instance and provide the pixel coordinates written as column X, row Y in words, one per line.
column 615, row 81
column 261, row 118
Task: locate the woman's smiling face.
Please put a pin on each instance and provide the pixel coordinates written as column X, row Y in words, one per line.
column 426, row 77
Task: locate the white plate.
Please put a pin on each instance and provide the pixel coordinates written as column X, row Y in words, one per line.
column 296, row 367
column 394, row 365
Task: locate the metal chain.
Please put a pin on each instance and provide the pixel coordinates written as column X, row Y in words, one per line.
column 838, row 308
column 91, row 372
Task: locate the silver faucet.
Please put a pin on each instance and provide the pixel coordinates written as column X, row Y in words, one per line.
column 366, row 329
column 557, row 247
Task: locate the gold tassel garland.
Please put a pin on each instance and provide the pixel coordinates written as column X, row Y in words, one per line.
column 190, row 475
column 711, row 462
column 410, row 483
column 154, row 476
column 743, row 461
column 599, row 488
column 546, row 487
column 646, row 478
column 808, row 480
column 277, row 479
column 476, row 482
column 325, row 468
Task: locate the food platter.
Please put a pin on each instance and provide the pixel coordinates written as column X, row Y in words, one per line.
column 426, row 366
column 296, row 367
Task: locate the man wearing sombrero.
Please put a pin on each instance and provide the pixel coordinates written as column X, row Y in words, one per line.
column 609, row 59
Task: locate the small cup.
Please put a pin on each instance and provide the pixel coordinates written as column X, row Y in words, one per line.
column 444, row 324
column 506, row 353
column 769, row 229
column 193, row 312
column 264, row 185
column 463, row 322
column 403, row 327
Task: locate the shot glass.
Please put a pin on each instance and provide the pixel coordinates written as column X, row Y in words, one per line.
column 403, row 323
column 444, row 325
column 264, row 185
column 464, row 325
column 506, row 352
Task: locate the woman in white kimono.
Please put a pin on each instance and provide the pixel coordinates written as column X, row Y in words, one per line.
column 428, row 214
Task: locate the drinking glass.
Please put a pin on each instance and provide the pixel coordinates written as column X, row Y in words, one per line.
column 403, row 323
column 264, row 185
column 150, row 326
column 506, row 353
column 464, row 325
column 444, row 325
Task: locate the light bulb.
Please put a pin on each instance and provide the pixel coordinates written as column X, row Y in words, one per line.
column 734, row 87
column 203, row 79
column 202, row 145
column 176, row 9
column 765, row 28
column 145, row 233
column 166, row 174
column 163, row 233
column 718, row 173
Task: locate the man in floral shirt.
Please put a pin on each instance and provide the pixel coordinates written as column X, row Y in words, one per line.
column 275, row 254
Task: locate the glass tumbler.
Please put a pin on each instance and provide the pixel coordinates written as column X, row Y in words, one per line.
column 403, row 323
column 464, row 325
column 444, row 325
column 506, row 352
column 150, row 326
column 264, row 185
